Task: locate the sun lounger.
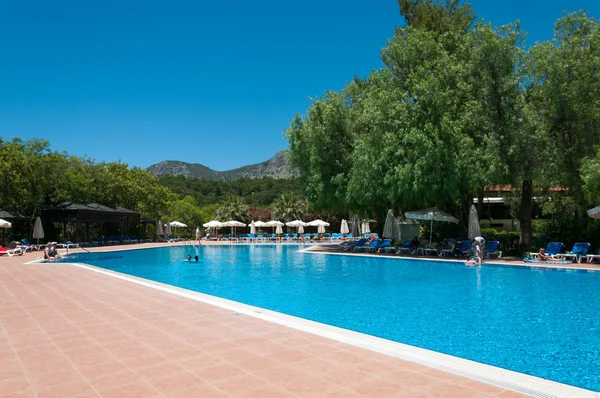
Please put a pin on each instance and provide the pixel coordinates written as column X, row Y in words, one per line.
column 446, row 248
column 464, row 249
column 491, row 249
column 348, row 246
column 591, row 257
column 578, row 252
column 552, row 249
column 11, row 253
column 536, row 261
column 405, row 248
column 385, row 246
column 67, row 245
column 374, row 245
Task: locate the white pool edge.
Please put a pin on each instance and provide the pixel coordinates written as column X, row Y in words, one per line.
column 507, row 379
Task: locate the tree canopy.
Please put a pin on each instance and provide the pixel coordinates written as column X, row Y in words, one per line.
column 460, row 105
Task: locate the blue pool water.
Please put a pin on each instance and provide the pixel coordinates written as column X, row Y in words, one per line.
column 540, row 322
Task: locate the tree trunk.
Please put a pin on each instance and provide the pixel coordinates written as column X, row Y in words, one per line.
column 525, row 214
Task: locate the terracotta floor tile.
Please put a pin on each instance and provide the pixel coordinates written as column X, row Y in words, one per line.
column 378, row 388
column 217, row 373
column 68, row 388
column 114, row 380
column 10, row 369
column 343, row 376
column 99, row 370
column 134, row 390
column 283, row 376
column 52, row 378
column 288, row 355
column 241, row 385
column 309, row 386
column 202, row 391
column 15, row 387
column 175, row 382
column 450, row 390
column 256, row 364
column 482, row 387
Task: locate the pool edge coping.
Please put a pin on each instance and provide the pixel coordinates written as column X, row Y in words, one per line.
column 503, row 378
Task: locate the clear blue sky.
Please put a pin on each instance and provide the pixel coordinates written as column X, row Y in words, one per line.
column 212, row 82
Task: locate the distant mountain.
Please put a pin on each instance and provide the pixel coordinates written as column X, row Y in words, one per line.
column 276, row 167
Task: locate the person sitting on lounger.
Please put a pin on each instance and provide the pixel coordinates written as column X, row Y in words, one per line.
column 372, row 238
column 542, row 256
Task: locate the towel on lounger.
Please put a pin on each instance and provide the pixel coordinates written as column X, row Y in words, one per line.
column 535, row 260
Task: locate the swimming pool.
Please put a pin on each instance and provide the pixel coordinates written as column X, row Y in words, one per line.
column 540, row 322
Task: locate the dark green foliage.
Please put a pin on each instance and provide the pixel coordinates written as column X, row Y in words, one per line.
column 437, row 15
column 256, row 192
column 509, row 241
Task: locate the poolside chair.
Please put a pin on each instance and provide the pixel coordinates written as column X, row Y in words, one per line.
column 348, row 246
column 405, row 248
column 68, row 245
column 446, row 247
column 491, row 249
column 374, row 245
column 385, row 246
column 23, row 246
column 31, row 245
column 578, row 252
column 591, row 257
column 464, row 249
column 11, row 253
column 552, row 249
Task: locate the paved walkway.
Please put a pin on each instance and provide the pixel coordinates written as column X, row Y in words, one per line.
column 70, row 332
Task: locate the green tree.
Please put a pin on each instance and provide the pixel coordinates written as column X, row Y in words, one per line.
column 232, row 209
column 287, row 208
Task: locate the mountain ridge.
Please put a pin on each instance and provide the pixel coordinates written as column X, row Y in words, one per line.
column 276, row 167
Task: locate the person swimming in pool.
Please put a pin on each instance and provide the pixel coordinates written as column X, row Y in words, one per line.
column 189, row 258
column 196, row 258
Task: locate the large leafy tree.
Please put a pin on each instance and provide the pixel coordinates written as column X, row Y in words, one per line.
column 564, row 91
column 429, row 129
column 321, row 145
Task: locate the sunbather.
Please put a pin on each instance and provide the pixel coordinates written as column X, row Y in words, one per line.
column 542, row 256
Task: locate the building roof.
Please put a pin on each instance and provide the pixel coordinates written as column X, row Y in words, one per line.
column 92, row 212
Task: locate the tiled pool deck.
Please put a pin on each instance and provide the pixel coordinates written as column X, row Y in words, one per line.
column 66, row 331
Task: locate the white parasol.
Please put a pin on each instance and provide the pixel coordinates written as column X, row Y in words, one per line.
column 4, row 225
column 344, row 228
column 38, row 230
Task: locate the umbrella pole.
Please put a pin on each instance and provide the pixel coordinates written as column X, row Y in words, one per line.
column 431, row 233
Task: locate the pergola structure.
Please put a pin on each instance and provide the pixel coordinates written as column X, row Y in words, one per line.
column 12, row 216
column 91, row 213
